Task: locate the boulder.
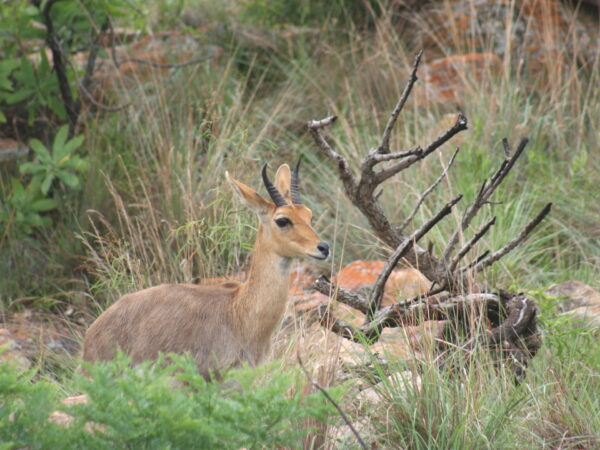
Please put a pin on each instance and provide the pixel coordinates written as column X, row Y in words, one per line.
column 578, row 300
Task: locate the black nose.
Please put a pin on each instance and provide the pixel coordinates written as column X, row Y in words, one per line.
column 323, row 247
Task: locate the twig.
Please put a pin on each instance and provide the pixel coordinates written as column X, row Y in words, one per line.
column 472, row 264
column 460, row 125
column 81, row 83
column 384, row 147
column 399, row 315
column 377, row 292
column 378, row 157
column 314, row 126
column 91, row 61
column 469, row 245
column 359, row 301
column 400, row 229
column 332, row 401
column 71, row 105
column 487, row 189
column 352, row 299
column 491, row 259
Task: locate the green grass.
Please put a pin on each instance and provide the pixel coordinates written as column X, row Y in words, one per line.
column 479, row 406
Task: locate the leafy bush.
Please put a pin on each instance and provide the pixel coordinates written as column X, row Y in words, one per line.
column 24, row 409
column 26, row 202
column 61, row 164
column 28, row 78
column 23, row 208
column 141, row 407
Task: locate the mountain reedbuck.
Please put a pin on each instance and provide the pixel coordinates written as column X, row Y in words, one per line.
column 219, row 325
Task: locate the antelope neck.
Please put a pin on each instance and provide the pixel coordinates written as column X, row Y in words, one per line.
column 263, row 295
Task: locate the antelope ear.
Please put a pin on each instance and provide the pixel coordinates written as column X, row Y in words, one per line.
column 283, row 180
column 250, row 197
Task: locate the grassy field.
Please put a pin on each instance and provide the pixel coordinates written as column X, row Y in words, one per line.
column 155, row 207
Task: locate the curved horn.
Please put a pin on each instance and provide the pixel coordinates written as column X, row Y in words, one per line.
column 273, row 192
column 295, row 186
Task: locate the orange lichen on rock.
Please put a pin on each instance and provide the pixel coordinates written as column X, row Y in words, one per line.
column 402, row 283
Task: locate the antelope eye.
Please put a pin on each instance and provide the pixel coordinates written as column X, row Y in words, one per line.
column 283, row 222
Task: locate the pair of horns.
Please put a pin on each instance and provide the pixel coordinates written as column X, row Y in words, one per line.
column 274, row 192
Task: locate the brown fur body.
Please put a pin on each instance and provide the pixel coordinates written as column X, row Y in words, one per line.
column 219, row 325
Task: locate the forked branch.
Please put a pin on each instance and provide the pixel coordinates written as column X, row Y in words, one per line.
column 380, row 164
column 361, row 190
column 377, row 291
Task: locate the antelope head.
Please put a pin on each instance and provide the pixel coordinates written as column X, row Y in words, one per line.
column 285, row 221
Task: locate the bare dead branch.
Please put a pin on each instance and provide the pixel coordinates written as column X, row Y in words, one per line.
column 400, row 229
column 378, row 157
column 469, row 245
column 408, row 314
column 353, row 299
column 506, row 148
column 475, row 262
column 506, row 168
column 341, row 162
column 363, row 190
column 377, row 292
column 460, row 125
column 487, row 189
column 92, row 56
column 384, row 147
column 314, row 124
column 491, row 259
column 332, row 401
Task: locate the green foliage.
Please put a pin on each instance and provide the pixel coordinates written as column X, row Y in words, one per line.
column 24, row 409
column 61, row 163
column 27, row 77
column 26, row 203
column 34, row 86
column 138, row 407
column 160, row 406
column 433, row 407
column 24, row 206
column 21, row 80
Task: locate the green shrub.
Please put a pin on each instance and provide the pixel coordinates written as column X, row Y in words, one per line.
column 61, row 163
column 29, row 198
column 29, row 79
column 24, row 409
column 160, row 406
